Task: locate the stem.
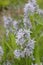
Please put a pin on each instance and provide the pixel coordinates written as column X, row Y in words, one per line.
column 37, row 57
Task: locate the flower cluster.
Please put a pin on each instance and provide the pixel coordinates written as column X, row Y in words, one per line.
column 23, row 37
column 27, row 51
column 8, row 24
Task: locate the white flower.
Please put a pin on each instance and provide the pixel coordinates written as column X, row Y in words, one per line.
column 31, row 44
column 15, row 24
column 29, row 7
column 21, row 35
column 27, row 22
column 1, row 51
column 17, row 53
column 27, row 33
column 6, row 20
column 20, row 41
column 27, row 52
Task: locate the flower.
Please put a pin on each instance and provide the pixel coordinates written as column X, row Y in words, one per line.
column 29, row 7
column 31, row 44
column 6, row 20
column 15, row 24
column 27, row 22
column 17, row 53
column 20, row 41
column 27, row 33
column 27, row 52
column 20, row 34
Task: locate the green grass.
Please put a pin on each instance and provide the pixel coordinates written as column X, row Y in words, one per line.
column 40, row 3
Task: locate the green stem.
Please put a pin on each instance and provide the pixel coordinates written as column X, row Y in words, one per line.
column 37, row 57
